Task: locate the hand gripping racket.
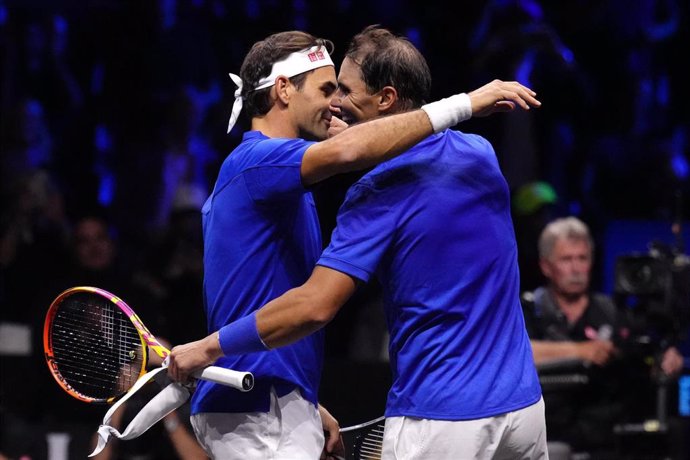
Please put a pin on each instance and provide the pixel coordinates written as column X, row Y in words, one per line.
column 364, row 441
column 96, row 347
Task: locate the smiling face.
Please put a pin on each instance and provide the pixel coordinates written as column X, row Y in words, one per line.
column 352, row 98
column 310, row 105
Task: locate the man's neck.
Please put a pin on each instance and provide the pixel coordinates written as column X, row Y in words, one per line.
column 275, row 123
column 572, row 306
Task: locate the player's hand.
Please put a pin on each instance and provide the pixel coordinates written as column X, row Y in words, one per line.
column 193, row 356
column 501, row 96
column 337, row 126
column 333, row 447
column 598, row 352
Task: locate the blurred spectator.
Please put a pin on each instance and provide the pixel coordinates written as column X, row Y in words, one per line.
column 640, row 45
column 570, row 325
column 28, row 144
column 98, row 258
column 34, row 231
column 43, row 69
column 39, row 68
column 174, row 268
column 95, row 260
column 646, row 32
column 182, row 48
column 653, row 172
column 188, row 151
column 514, row 40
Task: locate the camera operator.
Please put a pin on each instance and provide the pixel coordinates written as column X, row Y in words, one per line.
column 567, row 323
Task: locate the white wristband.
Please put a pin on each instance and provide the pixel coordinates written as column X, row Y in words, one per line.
column 449, row 112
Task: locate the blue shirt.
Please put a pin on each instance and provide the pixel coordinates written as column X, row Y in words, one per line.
column 434, row 225
column 261, row 238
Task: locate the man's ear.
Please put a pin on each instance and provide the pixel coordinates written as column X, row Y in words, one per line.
column 283, row 89
column 388, row 96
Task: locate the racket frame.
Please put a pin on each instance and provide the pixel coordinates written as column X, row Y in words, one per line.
column 355, row 443
column 147, row 339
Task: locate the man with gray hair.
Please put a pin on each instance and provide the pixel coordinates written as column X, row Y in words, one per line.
column 566, row 321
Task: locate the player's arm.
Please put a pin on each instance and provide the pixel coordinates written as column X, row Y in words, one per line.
column 185, row 444
column 368, row 144
column 286, row 319
column 598, row 352
column 305, row 309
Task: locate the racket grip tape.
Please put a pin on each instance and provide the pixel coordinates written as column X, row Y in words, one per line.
column 243, row 381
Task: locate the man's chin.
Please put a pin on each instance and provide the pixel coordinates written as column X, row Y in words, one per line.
column 311, row 136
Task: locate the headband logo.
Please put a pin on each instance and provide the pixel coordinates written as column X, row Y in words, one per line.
column 317, row 56
column 294, row 64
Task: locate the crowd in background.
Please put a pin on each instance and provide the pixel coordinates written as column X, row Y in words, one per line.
column 113, row 117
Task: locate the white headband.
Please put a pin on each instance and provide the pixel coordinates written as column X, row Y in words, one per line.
column 294, row 64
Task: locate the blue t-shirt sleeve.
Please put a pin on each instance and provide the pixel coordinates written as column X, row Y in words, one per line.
column 277, row 176
column 363, row 234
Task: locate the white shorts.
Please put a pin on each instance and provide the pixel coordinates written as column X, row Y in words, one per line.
column 515, row 435
column 290, row 430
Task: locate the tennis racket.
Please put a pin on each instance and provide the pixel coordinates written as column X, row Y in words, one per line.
column 96, row 347
column 364, row 441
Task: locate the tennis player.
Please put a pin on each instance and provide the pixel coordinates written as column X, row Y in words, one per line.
column 262, row 237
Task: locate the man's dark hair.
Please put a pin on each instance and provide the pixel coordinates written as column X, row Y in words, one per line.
column 259, row 62
column 386, row 59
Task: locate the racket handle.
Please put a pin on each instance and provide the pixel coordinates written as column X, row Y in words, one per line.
column 243, row 381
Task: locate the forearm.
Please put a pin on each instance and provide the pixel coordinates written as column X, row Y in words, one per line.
column 183, row 441
column 280, row 322
column 545, row 351
column 390, row 136
column 284, row 320
column 367, row 144
column 598, row 352
column 382, row 139
column 290, row 317
column 302, row 310
column 364, row 145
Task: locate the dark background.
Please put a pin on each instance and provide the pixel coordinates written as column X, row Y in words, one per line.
column 119, row 109
column 109, row 91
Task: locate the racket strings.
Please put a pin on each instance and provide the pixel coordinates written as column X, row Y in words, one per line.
column 369, row 445
column 63, row 334
column 364, row 441
column 96, row 348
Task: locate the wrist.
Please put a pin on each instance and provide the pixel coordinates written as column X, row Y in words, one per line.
column 241, row 337
column 214, row 350
column 448, row 112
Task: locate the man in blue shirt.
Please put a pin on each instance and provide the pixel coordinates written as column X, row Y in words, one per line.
column 261, row 235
